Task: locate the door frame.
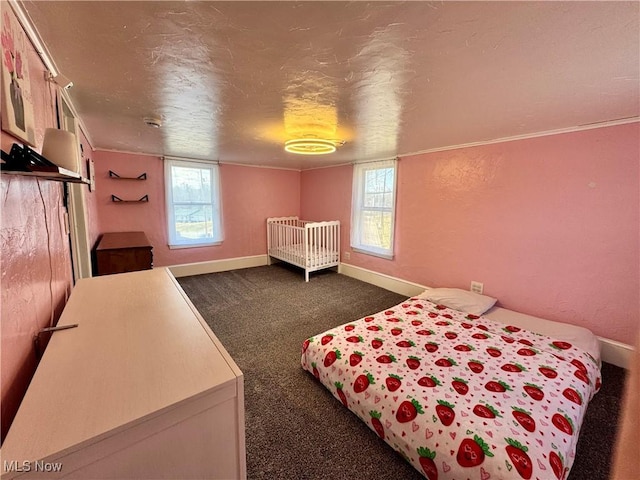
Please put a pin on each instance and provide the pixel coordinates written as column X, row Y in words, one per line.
column 76, row 205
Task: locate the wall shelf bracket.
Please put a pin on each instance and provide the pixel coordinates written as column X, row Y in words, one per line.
column 116, row 199
column 114, row 175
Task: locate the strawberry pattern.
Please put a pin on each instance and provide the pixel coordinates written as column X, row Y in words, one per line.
column 459, row 396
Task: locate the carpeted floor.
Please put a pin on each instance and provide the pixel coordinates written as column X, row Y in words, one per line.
column 295, row 429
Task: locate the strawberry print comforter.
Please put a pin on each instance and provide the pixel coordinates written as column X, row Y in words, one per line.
column 459, row 396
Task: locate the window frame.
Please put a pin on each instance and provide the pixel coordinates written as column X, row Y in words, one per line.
column 358, row 208
column 173, row 239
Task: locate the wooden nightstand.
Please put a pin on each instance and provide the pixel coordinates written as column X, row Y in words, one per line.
column 119, row 252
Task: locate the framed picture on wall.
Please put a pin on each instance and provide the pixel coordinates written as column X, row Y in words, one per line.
column 17, row 102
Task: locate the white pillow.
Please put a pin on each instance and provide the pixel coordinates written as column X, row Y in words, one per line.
column 461, row 300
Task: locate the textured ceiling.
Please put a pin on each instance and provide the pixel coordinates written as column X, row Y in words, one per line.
column 232, row 81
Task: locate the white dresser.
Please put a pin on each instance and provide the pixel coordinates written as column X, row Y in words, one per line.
column 140, row 389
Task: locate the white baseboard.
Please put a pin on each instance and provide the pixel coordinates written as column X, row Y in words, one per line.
column 381, row 280
column 612, row 351
column 214, row 266
column 616, row 353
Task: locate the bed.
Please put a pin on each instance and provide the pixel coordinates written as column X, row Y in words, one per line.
column 311, row 246
column 460, row 395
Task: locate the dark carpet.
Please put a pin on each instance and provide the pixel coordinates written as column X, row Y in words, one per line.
column 295, row 429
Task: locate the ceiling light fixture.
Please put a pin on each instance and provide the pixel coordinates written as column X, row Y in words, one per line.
column 310, row 146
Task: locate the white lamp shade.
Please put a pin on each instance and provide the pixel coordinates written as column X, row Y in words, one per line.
column 61, row 148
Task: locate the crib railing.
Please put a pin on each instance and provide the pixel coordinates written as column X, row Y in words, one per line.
column 285, row 239
column 322, row 244
column 278, row 233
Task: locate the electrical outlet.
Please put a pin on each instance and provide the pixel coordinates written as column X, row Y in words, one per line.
column 477, row 287
column 347, row 255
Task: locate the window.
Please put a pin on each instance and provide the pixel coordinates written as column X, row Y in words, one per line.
column 373, row 207
column 193, row 203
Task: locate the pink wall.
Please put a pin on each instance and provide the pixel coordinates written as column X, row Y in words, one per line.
column 549, row 225
column 249, row 197
column 36, row 266
column 326, row 195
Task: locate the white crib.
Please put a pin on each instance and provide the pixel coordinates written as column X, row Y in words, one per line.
column 309, row 245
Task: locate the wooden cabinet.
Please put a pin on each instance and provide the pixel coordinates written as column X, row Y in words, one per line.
column 120, row 252
column 141, row 388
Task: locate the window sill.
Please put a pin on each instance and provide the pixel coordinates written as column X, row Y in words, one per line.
column 194, row 245
column 386, row 256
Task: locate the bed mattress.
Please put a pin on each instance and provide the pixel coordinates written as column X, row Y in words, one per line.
column 460, row 396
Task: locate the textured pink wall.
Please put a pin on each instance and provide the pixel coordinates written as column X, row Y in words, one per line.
column 249, row 197
column 549, row 225
column 326, row 195
column 36, row 265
